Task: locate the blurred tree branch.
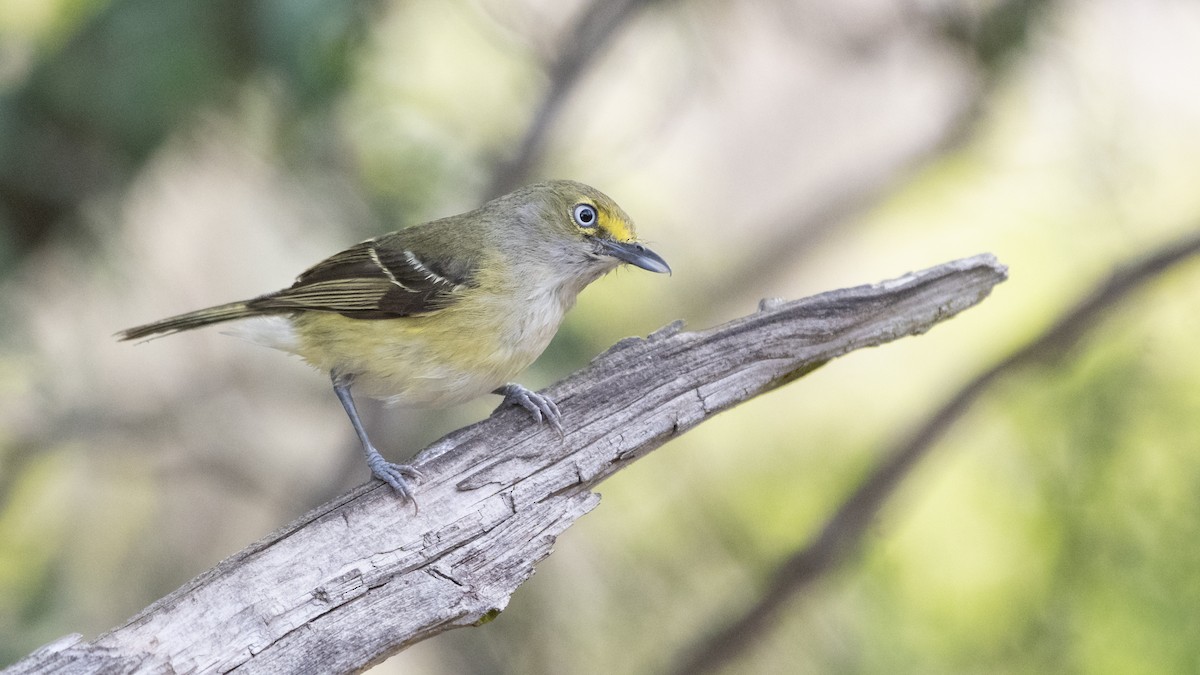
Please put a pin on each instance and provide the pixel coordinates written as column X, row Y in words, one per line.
column 362, row 577
column 844, row 530
column 598, row 24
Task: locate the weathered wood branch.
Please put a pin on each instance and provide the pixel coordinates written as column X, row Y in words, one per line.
column 846, row 527
column 361, row 577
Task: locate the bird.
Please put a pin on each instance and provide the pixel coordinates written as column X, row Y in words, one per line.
column 440, row 313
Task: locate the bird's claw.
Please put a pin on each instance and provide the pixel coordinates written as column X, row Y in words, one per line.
column 395, row 475
column 541, row 407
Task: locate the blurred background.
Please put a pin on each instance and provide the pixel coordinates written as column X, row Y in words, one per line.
column 157, row 156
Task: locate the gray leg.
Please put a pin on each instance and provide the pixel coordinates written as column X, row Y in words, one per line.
column 541, row 407
column 392, row 474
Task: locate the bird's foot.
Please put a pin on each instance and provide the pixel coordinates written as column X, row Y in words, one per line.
column 395, row 475
column 543, row 408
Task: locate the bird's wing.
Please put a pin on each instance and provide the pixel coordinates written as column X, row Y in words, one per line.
column 377, row 279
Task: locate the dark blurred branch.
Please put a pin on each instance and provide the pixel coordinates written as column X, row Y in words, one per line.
column 597, row 26
column 844, row 531
column 363, row 576
column 997, row 35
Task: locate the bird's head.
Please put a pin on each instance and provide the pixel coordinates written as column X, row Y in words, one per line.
column 577, row 229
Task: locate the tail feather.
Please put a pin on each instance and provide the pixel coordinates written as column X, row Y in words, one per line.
column 196, row 319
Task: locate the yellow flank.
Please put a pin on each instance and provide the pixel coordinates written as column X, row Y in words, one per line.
column 439, row 359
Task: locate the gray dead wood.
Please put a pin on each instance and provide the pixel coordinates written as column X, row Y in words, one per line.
column 362, row 577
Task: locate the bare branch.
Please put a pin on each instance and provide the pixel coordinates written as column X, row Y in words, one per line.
column 845, row 529
column 361, row 578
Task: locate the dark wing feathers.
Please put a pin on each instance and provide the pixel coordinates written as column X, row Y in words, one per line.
column 376, row 279
column 351, row 263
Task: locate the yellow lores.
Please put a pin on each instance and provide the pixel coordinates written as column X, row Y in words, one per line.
column 443, row 312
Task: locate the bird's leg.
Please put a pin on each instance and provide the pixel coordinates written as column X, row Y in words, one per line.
column 540, row 406
column 392, row 474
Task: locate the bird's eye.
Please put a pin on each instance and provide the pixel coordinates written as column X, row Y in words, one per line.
column 585, row 215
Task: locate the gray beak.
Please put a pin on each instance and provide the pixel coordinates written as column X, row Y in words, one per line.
column 637, row 255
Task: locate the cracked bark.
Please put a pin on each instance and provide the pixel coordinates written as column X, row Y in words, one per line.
column 360, row 578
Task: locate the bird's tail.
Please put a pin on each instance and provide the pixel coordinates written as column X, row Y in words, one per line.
column 196, row 319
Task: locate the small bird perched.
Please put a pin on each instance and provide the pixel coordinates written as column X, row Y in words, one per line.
column 444, row 312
